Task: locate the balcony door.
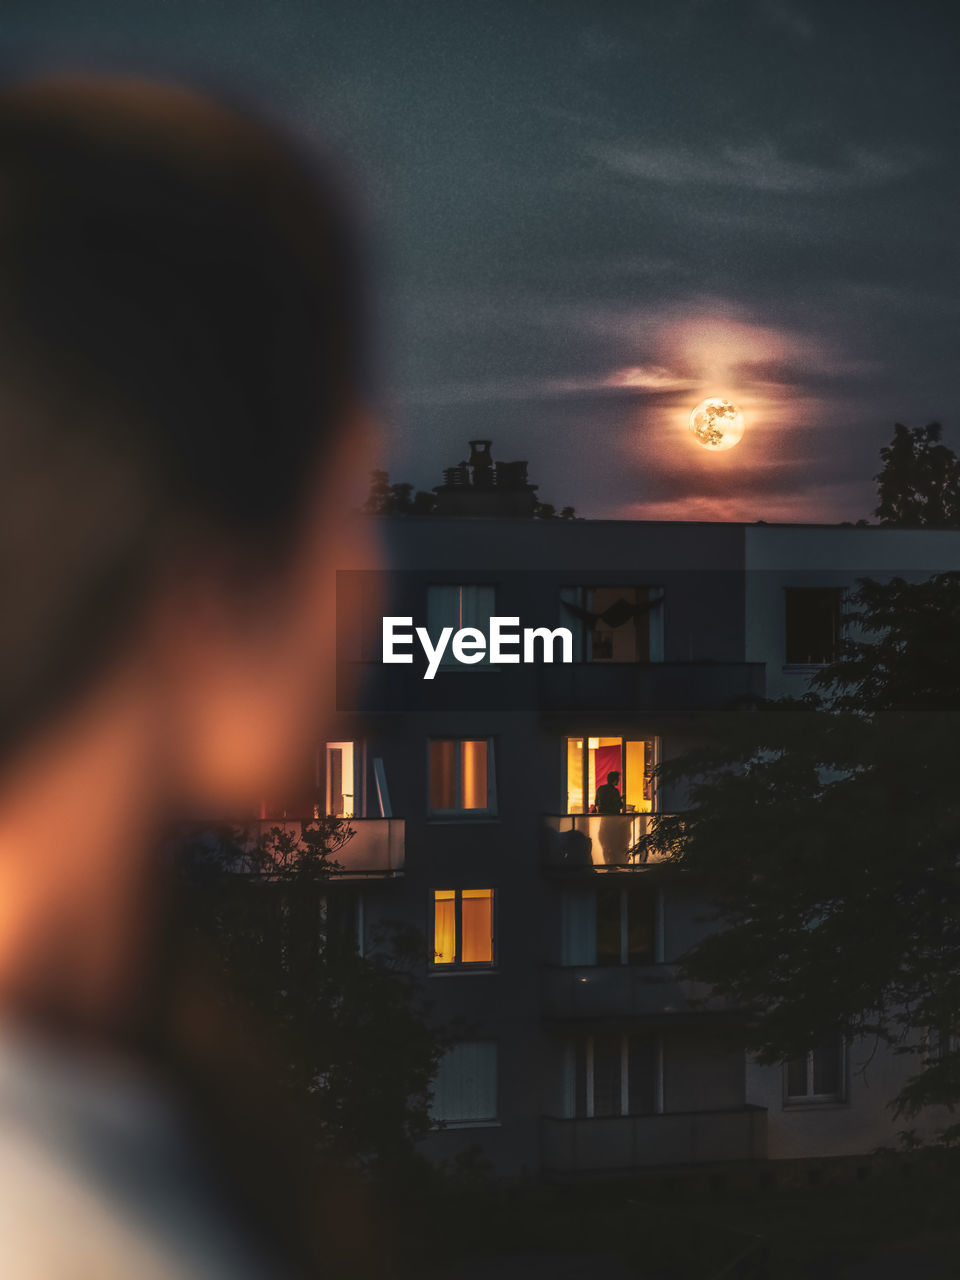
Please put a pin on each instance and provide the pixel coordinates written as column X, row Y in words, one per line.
column 590, row 761
column 341, row 798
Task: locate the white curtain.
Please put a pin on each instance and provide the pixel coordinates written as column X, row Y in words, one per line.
column 450, row 605
column 465, row 1086
column 579, row 924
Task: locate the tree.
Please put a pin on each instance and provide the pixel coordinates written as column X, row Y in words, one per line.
column 827, row 833
column 919, row 483
column 399, row 499
column 357, row 1050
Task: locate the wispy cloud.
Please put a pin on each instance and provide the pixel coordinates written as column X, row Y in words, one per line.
column 757, row 166
column 636, row 378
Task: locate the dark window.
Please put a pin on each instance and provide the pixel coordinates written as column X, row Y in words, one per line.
column 614, row 624
column 607, row 1072
column 813, row 624
column 608, row 926
column 642, row 1074
column 615, row 1074
column 626, row 921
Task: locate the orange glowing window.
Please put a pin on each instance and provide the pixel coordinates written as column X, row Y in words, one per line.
column 444, row 927
column 463, row 926
column 461, row 776
column 626, row 764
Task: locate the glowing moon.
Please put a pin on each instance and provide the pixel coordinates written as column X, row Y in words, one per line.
column 716, row 424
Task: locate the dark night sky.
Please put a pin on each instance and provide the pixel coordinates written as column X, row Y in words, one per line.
column 591, row 215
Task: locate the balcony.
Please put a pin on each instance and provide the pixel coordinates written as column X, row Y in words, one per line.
column 616, row 689
column 621, row 1143
column 587, row 842
column 637, row 687
column 596, row 992
column 375, row 850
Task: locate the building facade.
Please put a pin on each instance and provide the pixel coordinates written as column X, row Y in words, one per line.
column 554, row 952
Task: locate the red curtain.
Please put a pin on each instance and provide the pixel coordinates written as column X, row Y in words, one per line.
column 607, row 760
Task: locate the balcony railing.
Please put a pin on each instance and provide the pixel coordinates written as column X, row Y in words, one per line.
column 614, row 689
column 625, row 991
column 375, row 849
column 654, row 686
column 620, row 1143
column 595, row 841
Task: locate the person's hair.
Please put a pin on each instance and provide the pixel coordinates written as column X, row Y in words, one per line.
column 613, row 776
column 180, row 335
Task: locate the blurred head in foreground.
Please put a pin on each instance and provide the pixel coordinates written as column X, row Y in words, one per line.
column 181, row 413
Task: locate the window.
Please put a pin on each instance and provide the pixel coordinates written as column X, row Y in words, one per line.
column 465, row 1086
column 617, row 1074
column 626, row 922
column 461, row 777
column 463, row 927
column 454, row 606
column 611, row 925
column 362, row 598
column 812, row 625
column 614, row 624
column 817, row 1076
column 591, row 760
column 343, row 911
column 941, row 1045
column 340, row 796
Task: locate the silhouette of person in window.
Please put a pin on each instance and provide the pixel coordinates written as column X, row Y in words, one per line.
column 609, row 799
column 614, row 835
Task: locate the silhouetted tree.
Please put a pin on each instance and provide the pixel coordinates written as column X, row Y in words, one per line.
column 357, row 1051
column 919, row 483
column 386, row 499
column 547, row 511
column 400, row 499
column 827, row 833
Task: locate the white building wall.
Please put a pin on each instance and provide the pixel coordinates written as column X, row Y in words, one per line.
column 781, row 556
column 857, row 1125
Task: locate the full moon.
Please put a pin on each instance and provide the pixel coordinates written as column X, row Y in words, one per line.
column 716, row 424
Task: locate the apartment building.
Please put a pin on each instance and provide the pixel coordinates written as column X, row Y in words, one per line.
column 471, row 797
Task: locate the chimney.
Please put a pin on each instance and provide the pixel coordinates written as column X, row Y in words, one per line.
column 482, row 487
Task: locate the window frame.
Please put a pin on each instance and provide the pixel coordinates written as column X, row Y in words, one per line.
column 457, row 965
column 459, row 814
column 489, row 1122
column 586, row 1046
column 811, row 1099
column 585, row 772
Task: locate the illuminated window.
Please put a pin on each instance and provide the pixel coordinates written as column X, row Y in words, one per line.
column 614, row 624
column 463, row 927
column 469, row 605
column 465, row 1086
column 340, row 797
column 817, row 1076
column 461, row 776
column 617, row 1074
column 812, row 625
column 591, row 760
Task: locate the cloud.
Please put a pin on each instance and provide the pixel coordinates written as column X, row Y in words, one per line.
column 757, row 166
column 637, row 378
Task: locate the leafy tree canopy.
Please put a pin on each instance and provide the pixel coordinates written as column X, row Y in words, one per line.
column 919, row 483
column 827, row 833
